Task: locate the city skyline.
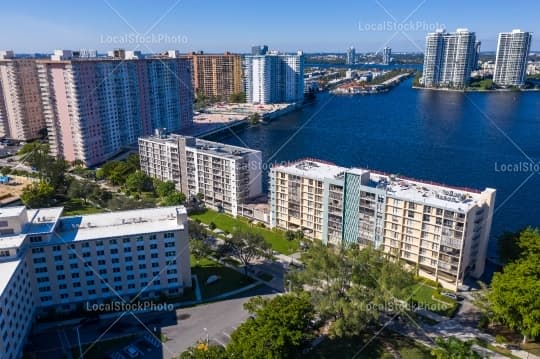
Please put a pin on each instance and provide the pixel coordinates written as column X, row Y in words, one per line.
column 177, row 25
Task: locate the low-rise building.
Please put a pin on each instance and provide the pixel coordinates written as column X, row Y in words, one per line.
column 440, row 230
column 225, row 176
column 52, row 263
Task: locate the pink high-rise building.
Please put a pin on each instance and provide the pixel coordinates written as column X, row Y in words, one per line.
column 95, row 107
column 21, row 110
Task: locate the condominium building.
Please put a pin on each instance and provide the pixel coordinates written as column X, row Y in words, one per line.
column 274, row 78
column 226, row 176
column 21, row 109
column 439, row 230
column 386, row 56
column 52, row 263
column 511, row 60
column 94, row 108
column 448, row 59
column 351, row 56
column 217, row 76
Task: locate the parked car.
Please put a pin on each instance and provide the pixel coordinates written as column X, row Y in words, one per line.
column 450, row 295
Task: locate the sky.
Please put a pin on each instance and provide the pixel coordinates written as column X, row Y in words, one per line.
column 215, row 26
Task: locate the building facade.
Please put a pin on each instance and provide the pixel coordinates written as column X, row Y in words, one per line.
column 217, row 76
column 226, row 176
column 94, row 108
column 48, row 262
column 448, row 59
column 441, row 231
column 21, row 109
column 387, row 56
column 274, row 78
column 351, row 56
column 511, row 60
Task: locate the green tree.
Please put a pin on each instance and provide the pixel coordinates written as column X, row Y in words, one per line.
column 353, row 286
column 453, row 348
column 197, row 230
column 34, row 154
column 238, row 97
column 199, row 249
column 80, row 189
column 247, row 246
column 299, row 234
column 289, row 235
column 138, row 181
column 38, row 194
column 508, row 246
column 254, row 118
column 118, row 173
column 164, row 188
column 204, row 351
column 133, row 161
column 280, row 328
column 174, row 199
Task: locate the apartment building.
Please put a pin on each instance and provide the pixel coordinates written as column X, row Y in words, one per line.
column 274, row 78
column 511, row 59
column 449, row 58
column 350, row 58
column 439, row 230
column 387, row 56
column 217, row 76
column 95, row 107
column 49, row 262
column 226, row 176
column 21, row 110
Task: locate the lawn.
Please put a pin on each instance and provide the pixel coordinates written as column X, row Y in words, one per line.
column 423, row 296
column 229, row 278
column 100, row 349
column 76, row 206
column 223, row 221
column 376, row 348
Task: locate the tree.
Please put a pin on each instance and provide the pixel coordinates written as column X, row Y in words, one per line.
column 248, row 246
column 299, row 234
column 238, row 97
column 199, row 249
column 350, row 287
column 508, row 247
column 197, row 231
column 174, row 199
column 138, row 181
column 133, row 161
column 38, row 194
column 280, row 328
column 453, row 348
column 34, row 154
column 164, row 188
column 254, row 118
column 118, row 173
column 289, row 235
column 204, row 351
column 80, row 189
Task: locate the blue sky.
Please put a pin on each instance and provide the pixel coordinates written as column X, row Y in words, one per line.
column 216, row 26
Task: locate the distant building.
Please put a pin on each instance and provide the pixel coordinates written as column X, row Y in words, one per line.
column 274, row 78
column 259, row 50
column 225, row 175
column 351, row 56
column 511, row 60
column 476, row 60
column 21, row 109
column 51, row 264
column 442, row 231
column 217, row 76
column 386, row 56
column 94, row 108
column 448, row 58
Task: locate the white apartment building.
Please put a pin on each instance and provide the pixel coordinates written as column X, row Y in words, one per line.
column 441, row 231
column 449, row 58
column 511, row 60
column 52, row 262
column 274, row 78
column 225, row 175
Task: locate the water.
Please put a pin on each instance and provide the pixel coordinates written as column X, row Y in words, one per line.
column 461, row 139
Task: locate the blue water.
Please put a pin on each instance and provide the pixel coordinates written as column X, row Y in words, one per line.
column 461, row 139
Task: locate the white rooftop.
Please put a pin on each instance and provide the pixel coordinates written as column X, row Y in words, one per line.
column 312, row 169
column 39, row 221
column 7, row 270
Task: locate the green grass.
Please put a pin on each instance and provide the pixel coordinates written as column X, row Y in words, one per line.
column 100, row 349
column 423, row 296
column 229, row 278
column 223, row 221
column 76, row 206
column 347, row 348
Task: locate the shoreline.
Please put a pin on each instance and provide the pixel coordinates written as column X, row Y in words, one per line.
column 446, row 89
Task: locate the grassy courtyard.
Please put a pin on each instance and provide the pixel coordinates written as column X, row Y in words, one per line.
column 223, row 221
column 229, row 278
column 422, row 294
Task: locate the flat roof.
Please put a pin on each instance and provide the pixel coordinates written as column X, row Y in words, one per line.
column 117, row 224
column 39, row 221
column 7, row 270
column 313, row 169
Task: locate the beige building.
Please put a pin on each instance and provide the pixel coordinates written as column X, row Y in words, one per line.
column 226, row 176
column 439, row 230
column 217, row 76
column 48, row 262
column 21, row 109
